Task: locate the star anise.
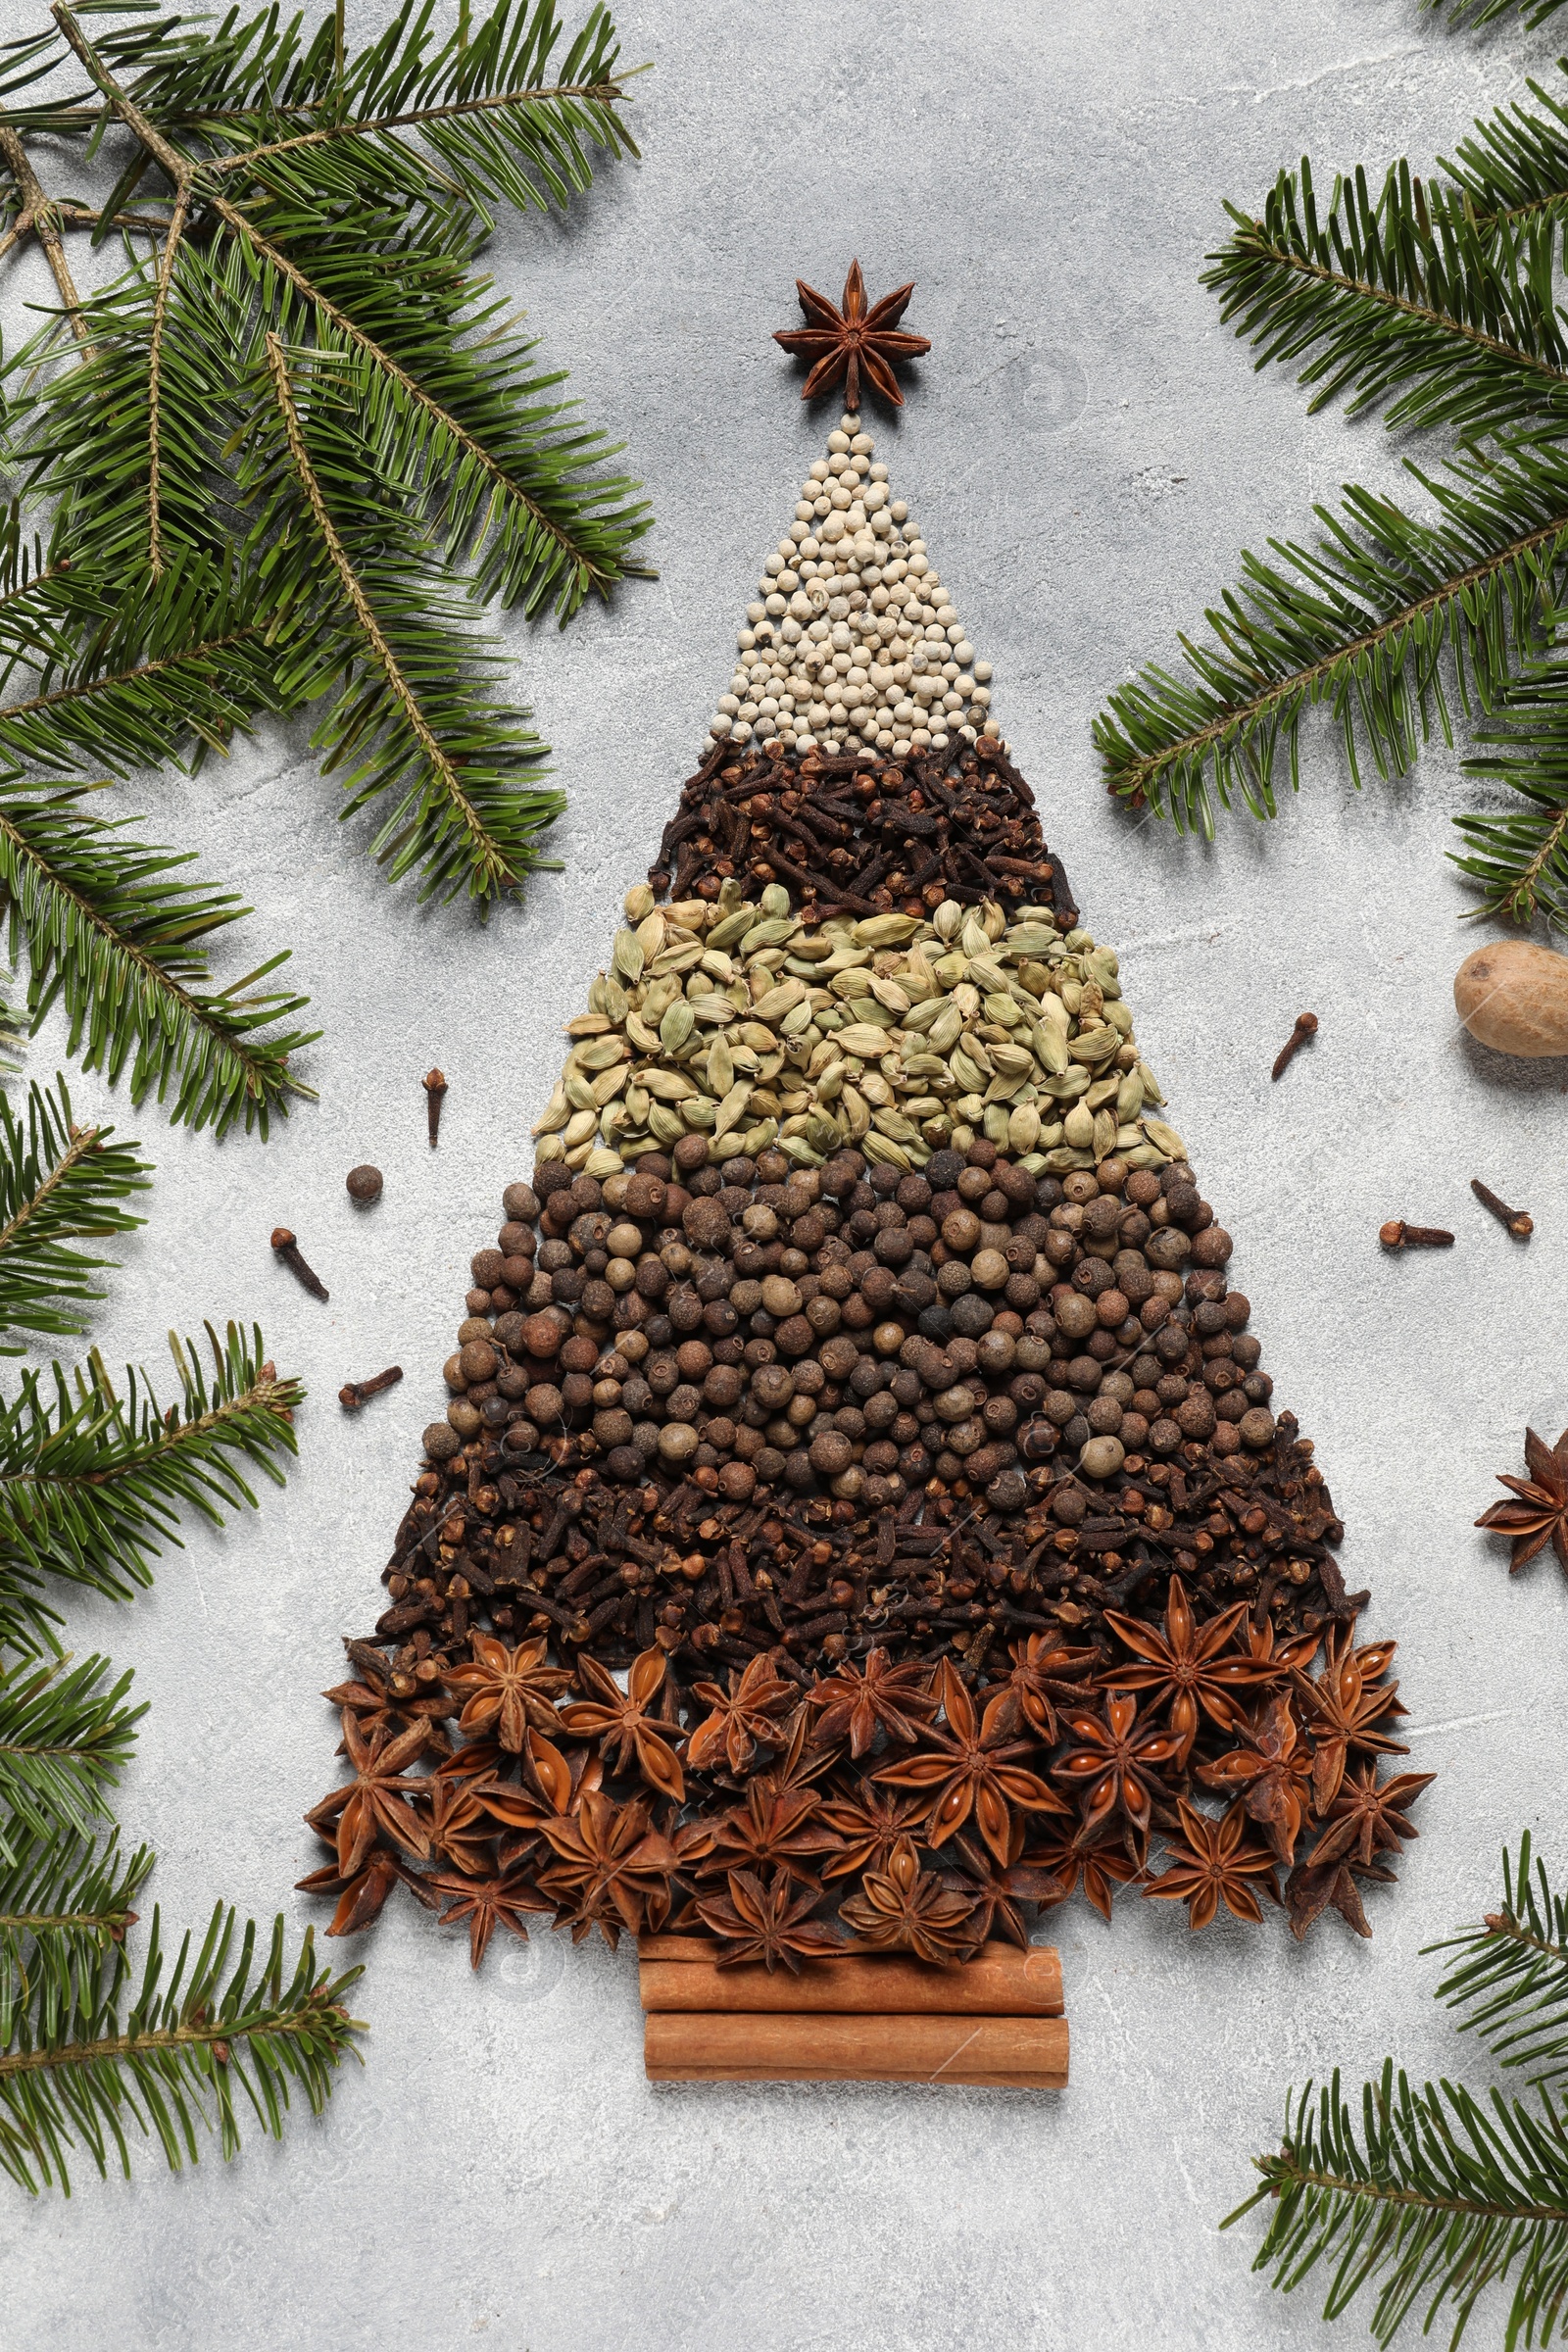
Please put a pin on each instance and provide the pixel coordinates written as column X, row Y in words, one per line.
column 606, row 1865
column 489, row 1903
column 460, row 1829
column 870, row 1822
column 904, row 1908
column 1117, row 1759
column 841, row 342
column 363, row 1897
column 1346, row 1708
column 1314, row 1885
column 974, row 1770
column 1369, row 1816
column 1042, row 1671
column 1183, row 1669
column 1540, row 1515
column 996, row 1892
column 506, row 1690
column 898, row 1700
column 1272, row 1771
column 768, row 1920
column 630, row 1734
column 1218, row 1859
column 1103, row 1861
column 376, row 1800
column 773, row 1829
column 377, row 1703
column 554, row 1786
column 743, row 1717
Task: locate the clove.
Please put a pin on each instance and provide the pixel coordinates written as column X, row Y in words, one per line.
column 1306, row 1027
column 435, row 1086
column 287, row 1249
column 354, row 1393
column 1398, row 1235
column 1518, row 1221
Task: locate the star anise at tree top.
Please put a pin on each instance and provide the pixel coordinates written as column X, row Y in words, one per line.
column 1540, row 1515
column 839, row 342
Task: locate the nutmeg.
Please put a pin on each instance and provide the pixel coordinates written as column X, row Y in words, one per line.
column 1513, row 996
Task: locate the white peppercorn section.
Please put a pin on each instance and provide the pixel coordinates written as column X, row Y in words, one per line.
column 855, row 643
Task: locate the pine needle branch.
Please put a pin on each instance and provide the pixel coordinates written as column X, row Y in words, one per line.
column 1514, row 1978
column 227, row 2030
column 64, row 1736
column 93, row 1479
column 1359, row 622
column 64, row 1900
column 1397, row 299
column 58, row 1184
column 113, row 934
column 1519, row 854
column 1471, row 14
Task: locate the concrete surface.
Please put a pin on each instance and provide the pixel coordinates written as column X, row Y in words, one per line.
column 1089, row 451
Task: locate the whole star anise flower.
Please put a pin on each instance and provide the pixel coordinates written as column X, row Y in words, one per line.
column 630, row 1734
column 743, row 1717
column 1042, row 1670
column 375, row 1801
column 461, row 1829
column 379, row 1704
column 488, row 1903
column 904, row 1908
column 1218, row 1859
column 857, row 1703
column 363, row 1897
column 839, row 342
column 1369, row 1816
column 996, row 1892
column 870, row 1823
column 1272, row 1771
column 606, row 1865
column 1314, row 1887
column 1117, row 1761
column 506, row 1690
column 1540, row 1515
column 768, row 1920
column 554, row 1787
column 1345, row 1709
column 1102, row 1862
column 773, row 1829
column 973, row 1771
column 1185, row 1669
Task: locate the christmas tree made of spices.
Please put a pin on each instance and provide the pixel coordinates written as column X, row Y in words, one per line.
column 861, row 1515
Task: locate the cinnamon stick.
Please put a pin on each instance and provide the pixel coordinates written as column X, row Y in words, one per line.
column 680, row 1973
column 733, row 2046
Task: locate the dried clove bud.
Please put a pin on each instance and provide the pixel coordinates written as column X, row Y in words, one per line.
column 1398, row 1235
column 287, row 1249
column 354, row 1392
column 1306, row 1027
column 1518, row 1221
column 435, row 1086
column 363, row 1184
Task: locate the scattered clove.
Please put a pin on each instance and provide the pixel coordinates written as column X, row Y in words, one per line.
column 363, row 1184
column 1306, row 1027
column 1518, row 1221
column 287, row 1249
column 354, row 1393
column 1398, row 1235
column 435, row 1086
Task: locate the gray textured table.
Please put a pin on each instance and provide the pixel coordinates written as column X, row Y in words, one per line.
column 1088, row 450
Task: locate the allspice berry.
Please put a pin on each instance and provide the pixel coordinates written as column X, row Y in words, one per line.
column 363, row 1184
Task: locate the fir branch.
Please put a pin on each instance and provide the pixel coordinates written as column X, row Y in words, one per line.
column 40, row 216
column 59, row 1183
column 93, row 1479
column 1473, row 14
column 1514, row 1979
column 1439, row 2199
column 1359, row 622
column 63, row 1901
column 1519, row 854
column 467, row 806
column 64, row 1736
column 119, row 942
column 1513, row 165
column 182, row 2059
